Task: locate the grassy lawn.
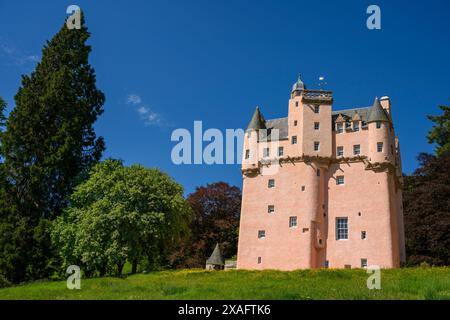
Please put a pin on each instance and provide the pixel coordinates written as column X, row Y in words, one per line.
column 409, row 283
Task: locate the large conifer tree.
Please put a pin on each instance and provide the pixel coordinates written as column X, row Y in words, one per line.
column 48, row 143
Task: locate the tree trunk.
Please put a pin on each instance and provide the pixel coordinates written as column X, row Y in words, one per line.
column 119, row 269
column 134, row 266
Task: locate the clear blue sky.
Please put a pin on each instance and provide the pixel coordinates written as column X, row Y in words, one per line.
column 216, row 60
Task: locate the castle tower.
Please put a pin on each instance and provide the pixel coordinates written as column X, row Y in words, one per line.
column 334, row 199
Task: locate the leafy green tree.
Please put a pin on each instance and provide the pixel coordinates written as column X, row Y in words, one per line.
column 122, row 214
column 48, row 144
column 440, row 133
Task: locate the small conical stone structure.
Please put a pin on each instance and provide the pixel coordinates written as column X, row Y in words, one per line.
column 215, row 261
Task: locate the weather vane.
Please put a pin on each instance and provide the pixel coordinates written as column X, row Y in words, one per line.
column 322, row 83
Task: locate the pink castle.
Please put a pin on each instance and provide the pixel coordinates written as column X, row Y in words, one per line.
column 322, row 188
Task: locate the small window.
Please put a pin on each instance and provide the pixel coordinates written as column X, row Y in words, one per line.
column 340, row 128
column 266, row 152
column 340, row 151
column 316, row 125
column 294, row 140
column 357, row 149
column 280, row 151
column 340, row 180
column 303, row 188
column 327, row 264
column 355, row 126
column 363, row 263
column 378, row 124
column 292, row 222
column 316, row 146
column 259, row 260
column 380, row 147
column 271, row 209
column 364, row 124
column 261, row 234
column 316, row 109
column 363, row 235
column 295, row 123
column 296, row 103
column 341, row 228
column 247, row 154
column 271, row 183
column 348, row 266
column 318, row 172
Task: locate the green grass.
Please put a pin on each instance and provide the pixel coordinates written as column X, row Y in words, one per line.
column 408, row 283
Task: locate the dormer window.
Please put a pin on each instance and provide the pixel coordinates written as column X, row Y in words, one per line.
column 339, row 128
column 364, row 124
column 378, row 124
column 355, row 126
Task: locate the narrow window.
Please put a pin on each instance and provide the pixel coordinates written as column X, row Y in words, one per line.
column 316, row 146
column 271, row 209
column 340, row 128
column 259, row 260
column 341, row 228
column 303, row 188
column 340, row 151
column 261, row 234
column 296, row 103
column 292, row 222
column 295, row 123
column 271, row 183
column 380, row 147
column 247, row 154
column 294, row 140
column 280, row 151
column 355, row 126
column 340, row 180
column 318, row 172
column 364, row 124
column 363, row 235
column 266, row 152
column 316, row 125
column 378, row 124
column 327, row 264
column 316, row 109
column 356, row 149
column 363, row 263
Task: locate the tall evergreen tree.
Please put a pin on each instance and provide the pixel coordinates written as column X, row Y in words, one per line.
column 440, row 133
column 48, row 143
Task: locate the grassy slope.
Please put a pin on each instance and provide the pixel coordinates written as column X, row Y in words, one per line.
column 432, row 283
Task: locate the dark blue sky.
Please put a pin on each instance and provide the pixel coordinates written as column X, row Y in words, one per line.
column 214, row 61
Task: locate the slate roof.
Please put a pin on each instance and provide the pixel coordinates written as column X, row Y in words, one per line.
column 257, row 121
column 216, row 257
column 377, row 113
column 280, row 124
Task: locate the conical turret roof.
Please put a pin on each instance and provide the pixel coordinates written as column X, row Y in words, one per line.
column 216, row 257
column 377, row 113
column 257, row 121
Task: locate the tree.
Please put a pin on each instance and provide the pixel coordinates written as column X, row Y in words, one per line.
column 217, row 209
column 48, row 144
column 427, row 211
column 122, row 214
column 440, row 133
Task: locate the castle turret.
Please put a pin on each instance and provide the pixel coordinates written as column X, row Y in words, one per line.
column 251, row 156
column 379, row 125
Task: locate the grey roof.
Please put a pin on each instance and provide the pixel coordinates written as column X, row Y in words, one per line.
column 348, row 114
column 280, row 124
column 257, row 121
column 377, row 113
column 216, row 257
